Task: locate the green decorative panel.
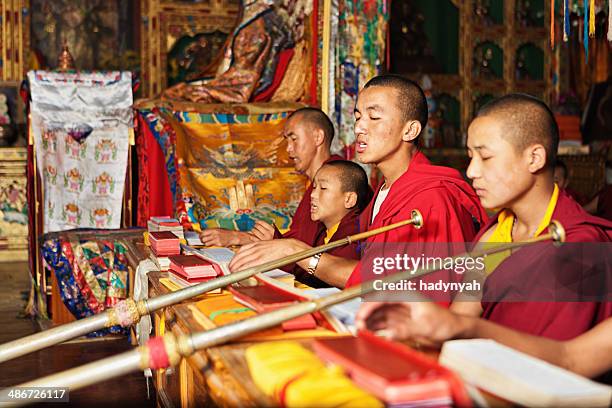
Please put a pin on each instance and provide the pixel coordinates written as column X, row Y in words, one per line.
column 529, row 64
column 488, row 61
column 488, row 12
column 424, row 36
column 530, row 13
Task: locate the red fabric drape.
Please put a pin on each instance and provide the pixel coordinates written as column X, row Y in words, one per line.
column 154, row 195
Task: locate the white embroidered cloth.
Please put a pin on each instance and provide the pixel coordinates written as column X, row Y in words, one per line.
column 81, row 124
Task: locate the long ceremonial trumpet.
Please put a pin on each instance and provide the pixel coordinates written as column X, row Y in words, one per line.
column 129, row 312
column 162, row 352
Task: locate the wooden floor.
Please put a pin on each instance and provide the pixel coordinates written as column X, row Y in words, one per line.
column 128, row 390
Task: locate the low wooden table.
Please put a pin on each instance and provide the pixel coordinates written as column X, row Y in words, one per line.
column 217, row 376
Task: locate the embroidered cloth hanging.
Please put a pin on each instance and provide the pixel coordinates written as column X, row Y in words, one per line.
column 81, row 124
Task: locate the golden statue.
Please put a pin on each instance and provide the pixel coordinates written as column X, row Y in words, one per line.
column 65, row 62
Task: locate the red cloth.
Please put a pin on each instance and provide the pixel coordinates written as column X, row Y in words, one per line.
column 349, row 225
column 542, row 272
column 284, row 57
column 154, row 194
column 302, row 227
column 451, row 214
column 575, row 195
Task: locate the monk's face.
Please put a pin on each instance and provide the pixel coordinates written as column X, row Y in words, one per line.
column 327, row 201
column 499, row 173
column 301, row 145
column 378, row 125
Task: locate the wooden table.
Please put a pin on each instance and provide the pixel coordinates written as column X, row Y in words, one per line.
column 218, row 375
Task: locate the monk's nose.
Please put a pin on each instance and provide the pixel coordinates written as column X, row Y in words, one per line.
column 472, row 170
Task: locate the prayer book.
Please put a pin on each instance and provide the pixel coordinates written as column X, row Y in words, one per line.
column 392, row 371
column 164, row 243
column 184, row 282
column 217, row 255
column 193, row 267
column 262, row 298
column 265, row 298
column 520, row 378
column 164, row 223
column 193, row 238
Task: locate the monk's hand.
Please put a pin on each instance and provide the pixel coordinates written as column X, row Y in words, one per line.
column 261, row 252
column 262, row 231
column 219, row 237
column 423, row 322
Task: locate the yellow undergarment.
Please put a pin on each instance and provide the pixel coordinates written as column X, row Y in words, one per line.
column 330, row 233
column 503, row 231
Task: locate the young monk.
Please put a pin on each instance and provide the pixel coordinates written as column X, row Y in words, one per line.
column 340, row 191
column 512, row 144
column 390, row 113
column 309, row 134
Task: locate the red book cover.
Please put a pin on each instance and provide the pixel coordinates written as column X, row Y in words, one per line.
column 262, row 298
column 165, row 252
column 391, row 371
column 184, row 280
column 265, row 298
column 191, row 266
column 162, row 236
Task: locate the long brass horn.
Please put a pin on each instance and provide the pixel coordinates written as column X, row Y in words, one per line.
column 129, row 312
column 172, row 348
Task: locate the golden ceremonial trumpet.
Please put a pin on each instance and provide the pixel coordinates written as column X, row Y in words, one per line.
column 129, row 312
column 167, row 350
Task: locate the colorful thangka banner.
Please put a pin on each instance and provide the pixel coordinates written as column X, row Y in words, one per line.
column 81, row 124
column 232, row 169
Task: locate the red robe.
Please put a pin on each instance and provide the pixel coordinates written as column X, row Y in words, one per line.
column 570, row 274
column 302, row 227
column 349, row 225
column 451, row 213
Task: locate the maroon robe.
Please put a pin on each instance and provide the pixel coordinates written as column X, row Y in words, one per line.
column 519, row 294
column 349, row 225
column 451, row 213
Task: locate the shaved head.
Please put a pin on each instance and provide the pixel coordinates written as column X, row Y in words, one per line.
column 353, row 179
column 410, row 98
column 316, row 119
column 525, row 121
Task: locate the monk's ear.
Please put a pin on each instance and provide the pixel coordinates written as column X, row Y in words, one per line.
column 319, row 137
column 537, row 157
column 350, row 200
column 412, row 130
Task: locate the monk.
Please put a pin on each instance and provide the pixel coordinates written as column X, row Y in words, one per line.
column 340, row 191
column 512, row 144
column 309, row 134
column 390, row 113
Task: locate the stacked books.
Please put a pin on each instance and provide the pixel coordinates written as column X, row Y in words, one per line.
column 188, row 270
column 164, row 243
column 164, row 223
column 520, row 378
